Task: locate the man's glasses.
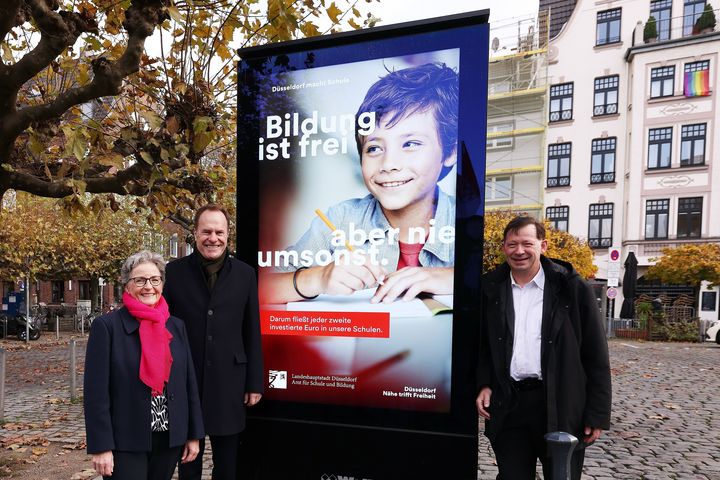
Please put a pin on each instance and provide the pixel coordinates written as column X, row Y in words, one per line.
column 141, row 281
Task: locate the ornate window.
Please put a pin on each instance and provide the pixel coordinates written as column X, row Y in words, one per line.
column 662, row 10
column 691, row 12
column 561, row 102
column 692, row 144
column 600, row 225
column 559, row 217
column 659, row 147
column 662, row 82
column 689, row 217
column 606, row 95
column 608, row 26
column 656, row 219
column 602, row 168
column 558, row 174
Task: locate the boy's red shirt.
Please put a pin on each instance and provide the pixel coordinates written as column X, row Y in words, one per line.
column 409, row 255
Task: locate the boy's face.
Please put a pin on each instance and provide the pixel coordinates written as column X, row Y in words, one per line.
column 401, row 164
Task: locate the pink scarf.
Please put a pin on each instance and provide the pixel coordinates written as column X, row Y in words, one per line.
column 155, row 356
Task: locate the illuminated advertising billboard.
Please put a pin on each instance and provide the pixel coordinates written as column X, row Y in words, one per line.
column 360, row 180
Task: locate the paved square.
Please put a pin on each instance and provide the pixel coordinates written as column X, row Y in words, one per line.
column 666, row 404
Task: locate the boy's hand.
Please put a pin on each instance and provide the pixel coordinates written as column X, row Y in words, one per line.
column 409, row 282
column 346, row 279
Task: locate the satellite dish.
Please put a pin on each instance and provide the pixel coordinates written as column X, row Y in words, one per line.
column 495, row 44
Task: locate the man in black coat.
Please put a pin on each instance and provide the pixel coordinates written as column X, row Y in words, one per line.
column 216, row 296
column 544, row 363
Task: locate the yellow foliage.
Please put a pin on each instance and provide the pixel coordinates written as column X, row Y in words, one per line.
column 41, row 239
column 561, row 245
column 688, row 265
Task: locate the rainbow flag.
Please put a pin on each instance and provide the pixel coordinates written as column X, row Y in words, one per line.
column 697, row 84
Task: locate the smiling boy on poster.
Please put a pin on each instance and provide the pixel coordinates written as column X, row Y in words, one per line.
column 405, row 244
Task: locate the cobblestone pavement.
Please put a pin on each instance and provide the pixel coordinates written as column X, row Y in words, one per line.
column 665, row 405
column 664, row 419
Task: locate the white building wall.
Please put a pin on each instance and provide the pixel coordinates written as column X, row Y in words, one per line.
column 642, row 183
column 575, row 57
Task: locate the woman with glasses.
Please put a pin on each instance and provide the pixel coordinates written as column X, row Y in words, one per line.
column 142, row 409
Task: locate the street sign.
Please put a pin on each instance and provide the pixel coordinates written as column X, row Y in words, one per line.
column 611, row 293
column 613, row 267
column 613, row 271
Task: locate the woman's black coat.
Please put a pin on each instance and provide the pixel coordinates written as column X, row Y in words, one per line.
column 117, row 402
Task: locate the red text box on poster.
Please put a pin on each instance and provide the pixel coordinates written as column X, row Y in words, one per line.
column 325, row 324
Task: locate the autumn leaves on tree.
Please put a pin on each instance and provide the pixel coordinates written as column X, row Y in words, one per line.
column 85, row 108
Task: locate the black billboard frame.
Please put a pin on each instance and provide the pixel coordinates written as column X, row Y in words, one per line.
column 423, row 445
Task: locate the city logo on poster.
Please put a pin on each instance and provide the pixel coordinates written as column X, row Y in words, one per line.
column 277, row 379
column 331, row 476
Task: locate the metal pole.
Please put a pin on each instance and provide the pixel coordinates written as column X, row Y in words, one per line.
column 73, row 366
column 27, row 309
column 82, row 323
column 560, row 447
column 2, row 384
column 57, row 327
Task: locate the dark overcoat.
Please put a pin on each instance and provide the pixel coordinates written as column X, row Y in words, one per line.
column 574, row 354
column 117, row 402
column 224, row 330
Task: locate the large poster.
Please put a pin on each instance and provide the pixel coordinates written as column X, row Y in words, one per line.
column 357, row 167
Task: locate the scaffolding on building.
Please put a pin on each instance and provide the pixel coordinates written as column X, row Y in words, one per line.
column 517, row 118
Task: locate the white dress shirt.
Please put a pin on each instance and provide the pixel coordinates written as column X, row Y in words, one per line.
column 528, row 306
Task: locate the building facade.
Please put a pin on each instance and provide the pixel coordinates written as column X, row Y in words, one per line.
column 632, row 128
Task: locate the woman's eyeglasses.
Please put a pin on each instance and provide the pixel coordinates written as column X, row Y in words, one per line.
column 141, row 281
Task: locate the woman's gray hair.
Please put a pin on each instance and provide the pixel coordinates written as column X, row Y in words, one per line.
column 143, row 256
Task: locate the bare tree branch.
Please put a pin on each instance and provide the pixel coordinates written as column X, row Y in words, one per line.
column 58, row 31
column 9, row 11
column 140, row 21
column 123, row 183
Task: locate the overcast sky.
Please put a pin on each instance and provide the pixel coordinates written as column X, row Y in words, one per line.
column 396, row 11
column 505, row 15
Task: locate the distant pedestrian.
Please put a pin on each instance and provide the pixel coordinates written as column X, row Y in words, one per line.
column 544, row 363
column 142, row 408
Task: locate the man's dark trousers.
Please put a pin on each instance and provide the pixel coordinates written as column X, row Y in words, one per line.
column 225, row 455
column 521, row 441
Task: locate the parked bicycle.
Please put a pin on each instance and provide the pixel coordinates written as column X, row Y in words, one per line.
column 83, row 321
column 39, row 314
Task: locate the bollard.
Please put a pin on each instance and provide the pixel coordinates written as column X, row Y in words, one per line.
column 560, row 447
column 2, row 385
column 73, row 366
column 57, row 327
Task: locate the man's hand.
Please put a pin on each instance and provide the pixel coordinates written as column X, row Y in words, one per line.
column 103, row 463
column 191, row 450
column 409, row 282
column 591, row 434
column 252, row 398
column 483, row 402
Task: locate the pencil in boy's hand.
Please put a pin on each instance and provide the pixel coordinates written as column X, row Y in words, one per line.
column 330, row 225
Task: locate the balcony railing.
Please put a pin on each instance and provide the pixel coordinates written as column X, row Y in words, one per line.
column 670, row 29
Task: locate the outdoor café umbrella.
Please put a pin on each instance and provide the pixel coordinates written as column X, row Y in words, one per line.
column 629, row 286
